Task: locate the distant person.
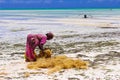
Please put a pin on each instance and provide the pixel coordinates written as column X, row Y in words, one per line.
column 85, row 16
column 34, row 40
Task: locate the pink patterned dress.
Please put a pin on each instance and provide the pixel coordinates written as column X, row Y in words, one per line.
column 34, row 40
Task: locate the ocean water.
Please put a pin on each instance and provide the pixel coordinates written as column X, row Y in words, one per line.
column 15, row 25
column 57, row 13
column 95, row 39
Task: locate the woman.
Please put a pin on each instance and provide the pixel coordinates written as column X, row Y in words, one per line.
column 34, row 40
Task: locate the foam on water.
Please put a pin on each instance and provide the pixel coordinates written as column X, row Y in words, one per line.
column 16, row 24
column 95, row 39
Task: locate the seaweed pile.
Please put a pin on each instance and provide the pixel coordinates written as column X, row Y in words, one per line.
column 56, row 63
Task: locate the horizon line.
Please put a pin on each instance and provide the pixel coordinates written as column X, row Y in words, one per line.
column 51, row 8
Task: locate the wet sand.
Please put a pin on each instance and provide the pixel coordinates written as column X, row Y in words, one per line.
column 93, row 40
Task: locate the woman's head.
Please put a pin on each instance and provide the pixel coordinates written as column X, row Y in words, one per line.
column 49, row 36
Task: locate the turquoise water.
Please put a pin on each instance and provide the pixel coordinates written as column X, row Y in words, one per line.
column 15, row 25
column 57, row 13
column 98, row 45
column 21, row 20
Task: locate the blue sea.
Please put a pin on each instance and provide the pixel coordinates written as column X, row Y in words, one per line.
column 95, row 39
column 57, row 13
column 68, row 25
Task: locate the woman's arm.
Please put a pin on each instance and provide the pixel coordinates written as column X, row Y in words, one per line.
column 41, row 47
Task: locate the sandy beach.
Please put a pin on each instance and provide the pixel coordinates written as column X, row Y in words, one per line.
column 94, row 39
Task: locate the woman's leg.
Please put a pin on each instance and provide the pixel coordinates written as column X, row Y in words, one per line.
column 30, row 46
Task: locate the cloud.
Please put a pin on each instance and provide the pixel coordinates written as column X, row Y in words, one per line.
column 99, row 0
column 56, row 1
column 106, row 0
column 102, row 1
column 61, row 1
column 2, row 1
column 32, row 1
column 26, row 1
column 47, row 1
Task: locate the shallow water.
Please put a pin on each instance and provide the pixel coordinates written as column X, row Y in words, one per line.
column 15, row 25
column 98, row 45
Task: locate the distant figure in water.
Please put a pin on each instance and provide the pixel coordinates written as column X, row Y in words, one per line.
column 85, row 16
column 34, row 40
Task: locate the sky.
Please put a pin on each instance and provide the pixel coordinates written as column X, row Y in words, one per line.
column 59, row 4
